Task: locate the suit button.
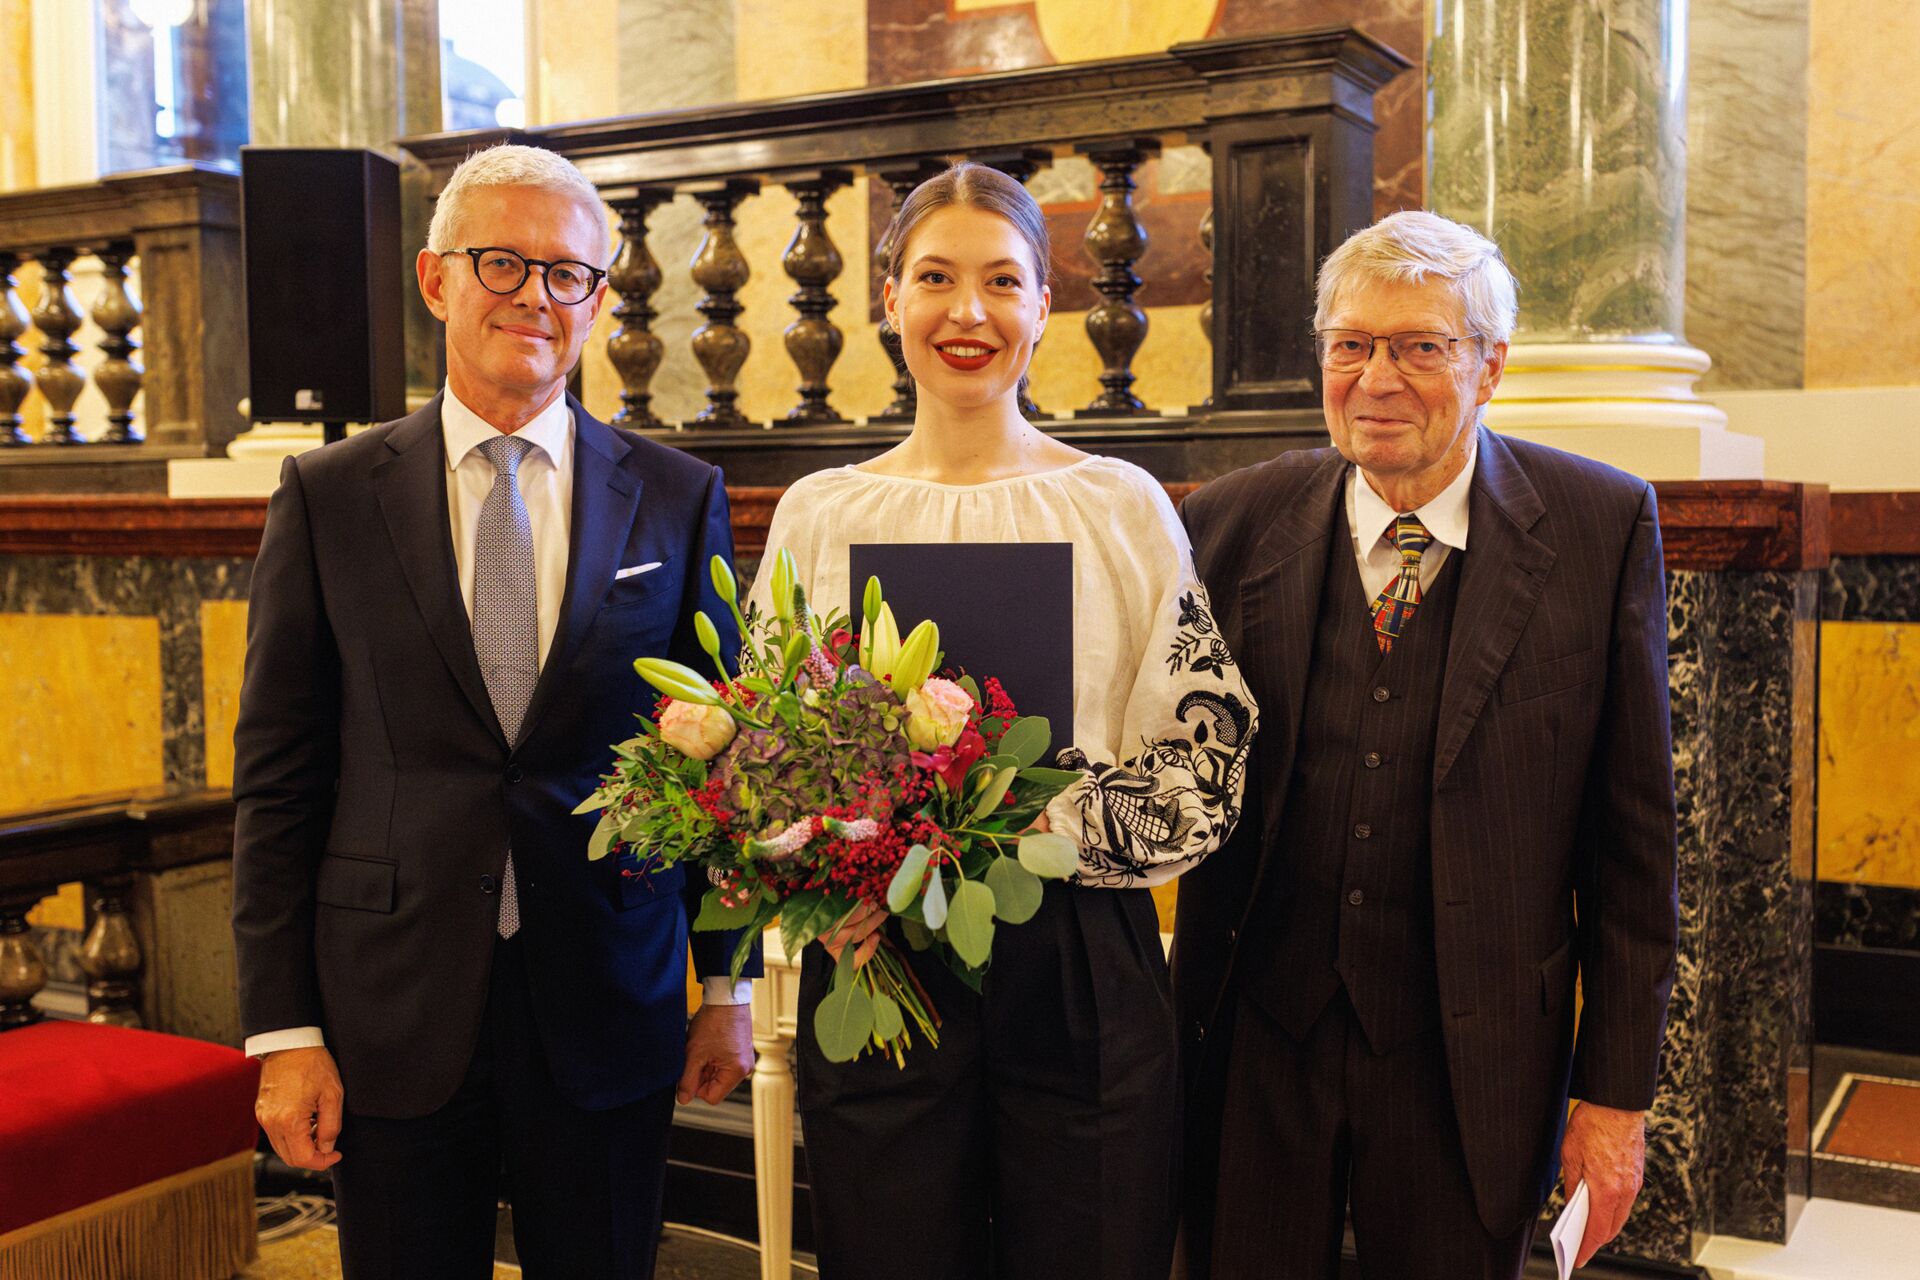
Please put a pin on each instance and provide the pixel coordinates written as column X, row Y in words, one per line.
column 487, row 884
column 1374, row 759
column 1356, row 897
column 514, row 774
column 1361, row 831
column 1233, row 936
column 1380, row 694
column 1199, row 1031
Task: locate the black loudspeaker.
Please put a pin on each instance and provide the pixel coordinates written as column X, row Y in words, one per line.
column 320, row 232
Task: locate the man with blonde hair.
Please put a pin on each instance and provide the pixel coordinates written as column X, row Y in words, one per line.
column 454, row 1005
column 1461, row 799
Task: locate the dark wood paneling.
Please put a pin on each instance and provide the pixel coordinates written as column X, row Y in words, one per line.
column 1876, row 524
column 1743, row 524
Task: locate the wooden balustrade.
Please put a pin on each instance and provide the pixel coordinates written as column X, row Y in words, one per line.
column 1286, row 118
column 110, row 848
column 176, row 232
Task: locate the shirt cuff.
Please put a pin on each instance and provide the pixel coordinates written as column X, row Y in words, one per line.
column 292, row 1038
column 725, row 991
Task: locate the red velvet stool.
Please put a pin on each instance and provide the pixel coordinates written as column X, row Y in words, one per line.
column 123, row 1154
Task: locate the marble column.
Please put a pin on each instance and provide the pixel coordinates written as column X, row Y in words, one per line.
column 1558, row 128
column 331, row 75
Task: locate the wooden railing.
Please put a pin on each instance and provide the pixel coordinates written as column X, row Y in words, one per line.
column 168, row 243
column 109, row 848
column 1287, row 120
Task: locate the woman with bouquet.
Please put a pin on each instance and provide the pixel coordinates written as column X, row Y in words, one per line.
column 1041, row 1137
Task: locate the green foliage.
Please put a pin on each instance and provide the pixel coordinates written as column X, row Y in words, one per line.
column 970, row 922
column 1026, row 740
column 1016, row 891
column 1049, row 855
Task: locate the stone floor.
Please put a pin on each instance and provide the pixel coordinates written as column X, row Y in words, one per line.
column 686, row 1253
column 1866, row 1136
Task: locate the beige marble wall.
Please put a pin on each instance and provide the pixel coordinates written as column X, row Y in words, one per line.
column 1746, row 189
column 1863, row 193
column 326, row 74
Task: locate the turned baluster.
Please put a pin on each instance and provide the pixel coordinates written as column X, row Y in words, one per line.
column 1116, row 240
column 15, row 381
column 634, row 349
column 22, row 970
column 1206, row 308
column 901, row 183
column 720, row 269
column 117, row 312
column 57, row 316
column 110, row 957
column 1020, row 164
column 813, row 262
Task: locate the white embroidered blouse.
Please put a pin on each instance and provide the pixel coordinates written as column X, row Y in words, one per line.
column 1163, row 719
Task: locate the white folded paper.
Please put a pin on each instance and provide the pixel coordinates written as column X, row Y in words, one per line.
column 1569, row 1230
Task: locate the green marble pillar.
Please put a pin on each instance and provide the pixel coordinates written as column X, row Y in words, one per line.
column 1558, row 128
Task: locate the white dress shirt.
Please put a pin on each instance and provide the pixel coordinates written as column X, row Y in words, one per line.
column 1370, row 521
column 546, row 486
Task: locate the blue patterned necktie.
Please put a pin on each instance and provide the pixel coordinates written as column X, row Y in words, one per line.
column 506, row 620
column 1394, row 607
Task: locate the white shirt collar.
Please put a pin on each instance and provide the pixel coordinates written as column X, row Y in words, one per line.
column 463, row 430
column 1445, row 516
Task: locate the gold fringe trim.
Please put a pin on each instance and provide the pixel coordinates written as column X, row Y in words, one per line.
column 197, row 1225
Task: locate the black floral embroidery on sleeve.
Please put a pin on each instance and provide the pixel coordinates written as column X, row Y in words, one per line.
column 1197, row 645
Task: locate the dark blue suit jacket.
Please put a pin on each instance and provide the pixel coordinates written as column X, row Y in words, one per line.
column 377, row 795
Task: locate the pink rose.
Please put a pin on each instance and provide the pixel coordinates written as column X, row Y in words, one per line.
column 936, row 713
column 701, row 732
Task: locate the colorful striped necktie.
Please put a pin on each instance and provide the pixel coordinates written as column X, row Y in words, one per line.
column 1394, row 607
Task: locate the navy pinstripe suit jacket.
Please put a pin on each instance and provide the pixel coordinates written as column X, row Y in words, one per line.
column 1553, row 840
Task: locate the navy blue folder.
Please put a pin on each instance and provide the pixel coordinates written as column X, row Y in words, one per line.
column 1005, row 609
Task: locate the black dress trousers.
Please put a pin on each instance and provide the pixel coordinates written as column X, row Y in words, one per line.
column 1314, row 1129
column 416, row 1197
column 1040, row 1140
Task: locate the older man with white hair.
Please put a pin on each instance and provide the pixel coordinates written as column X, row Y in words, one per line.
column 1461, row 802
column 453, row 1004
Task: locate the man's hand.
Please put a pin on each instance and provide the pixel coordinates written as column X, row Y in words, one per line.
column 1607, row 1148
column 719, row 1052
column 861, row 926
column 299, row 1106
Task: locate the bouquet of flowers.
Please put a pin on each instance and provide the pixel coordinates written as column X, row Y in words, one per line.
column 834, row 769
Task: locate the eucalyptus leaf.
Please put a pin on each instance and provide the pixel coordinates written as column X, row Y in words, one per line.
column 905, row 886
column 598, row 800
column 918, row 936
column 1027, row 739
column 970, row 922
column 887, row 1022
column 1016, row 891
column 714, row 916
column 1062, row 778
column 603, row 836
column 990, row 798
column 802, row 923
column 934, row 905
column 844, row 1021
column 973, row 690
column 1049, row 855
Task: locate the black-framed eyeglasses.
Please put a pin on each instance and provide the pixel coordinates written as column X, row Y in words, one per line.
column 1416, row 351
column 504, row 271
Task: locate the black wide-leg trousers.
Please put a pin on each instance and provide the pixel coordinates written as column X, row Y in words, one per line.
column 1040, row 1140
column 1319, row 1128
column 416, row 1197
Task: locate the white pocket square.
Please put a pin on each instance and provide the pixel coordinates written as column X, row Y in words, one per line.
column 634, row 571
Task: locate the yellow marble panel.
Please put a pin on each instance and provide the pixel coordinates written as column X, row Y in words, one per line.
column 17, row 167
column 1173, row 368
column 1079, row 30
column 576, row 61
column 223, row 653
column 1869, row 741
column 79, row 706
column 65, row 909
column 1863, row 185
column 784, row 49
